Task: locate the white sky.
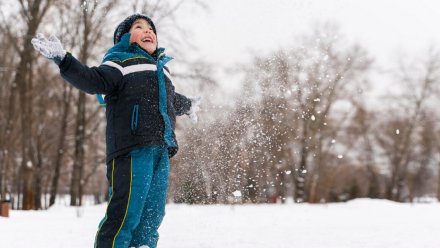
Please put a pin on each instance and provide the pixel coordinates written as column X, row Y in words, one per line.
column 234, row 30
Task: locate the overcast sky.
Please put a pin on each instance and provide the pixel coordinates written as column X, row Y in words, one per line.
column 233, row 30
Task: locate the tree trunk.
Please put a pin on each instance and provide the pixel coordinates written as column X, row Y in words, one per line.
column 28, row 202
column 300, row 175
column 438, row 183
column 78, row 164
column 38, row 186
column 33, row 12
column 5, row 137
column 60, row 148
column 77, row 184
column 23, row 84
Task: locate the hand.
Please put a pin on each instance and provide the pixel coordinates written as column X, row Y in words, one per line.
column 195, row 102
column 50, row 48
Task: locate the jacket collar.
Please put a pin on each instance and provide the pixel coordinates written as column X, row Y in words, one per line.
column 124, row 50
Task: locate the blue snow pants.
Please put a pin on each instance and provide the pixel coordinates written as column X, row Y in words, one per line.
column 138, row 189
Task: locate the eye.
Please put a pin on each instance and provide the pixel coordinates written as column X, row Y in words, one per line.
column 138, row 26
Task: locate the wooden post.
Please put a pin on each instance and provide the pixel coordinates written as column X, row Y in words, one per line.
column 4, row 208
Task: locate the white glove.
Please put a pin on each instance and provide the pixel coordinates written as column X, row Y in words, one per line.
column 50, row 48
column 195, row 102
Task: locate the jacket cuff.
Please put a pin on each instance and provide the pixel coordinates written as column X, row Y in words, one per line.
column 65, row 62
column 189, row 104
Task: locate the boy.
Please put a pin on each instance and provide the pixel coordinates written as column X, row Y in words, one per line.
column 141, row 107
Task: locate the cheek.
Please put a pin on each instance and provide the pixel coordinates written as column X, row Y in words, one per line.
column 135, row 37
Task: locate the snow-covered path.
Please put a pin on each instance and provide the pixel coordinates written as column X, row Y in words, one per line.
column 357, row 224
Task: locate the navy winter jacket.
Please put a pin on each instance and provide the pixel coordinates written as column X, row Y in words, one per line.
column 141, row 105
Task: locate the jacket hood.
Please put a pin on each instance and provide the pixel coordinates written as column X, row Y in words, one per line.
column 124, row 50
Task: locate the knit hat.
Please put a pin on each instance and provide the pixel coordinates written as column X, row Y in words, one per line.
column 124, row 26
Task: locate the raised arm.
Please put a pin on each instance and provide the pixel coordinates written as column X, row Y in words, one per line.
column 93, row 80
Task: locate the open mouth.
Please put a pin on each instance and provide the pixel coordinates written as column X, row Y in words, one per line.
column 147, row 39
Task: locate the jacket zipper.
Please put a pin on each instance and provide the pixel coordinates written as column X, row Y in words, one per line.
column 135, row 117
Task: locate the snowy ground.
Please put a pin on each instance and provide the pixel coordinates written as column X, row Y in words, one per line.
column 357, row 224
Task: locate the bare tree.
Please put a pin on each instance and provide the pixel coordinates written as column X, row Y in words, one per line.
column 420, row 179
column 30, row 15
column 7, row 105
column 90, row 15
column 361, row 136
column 401, row 137
column 321, row 74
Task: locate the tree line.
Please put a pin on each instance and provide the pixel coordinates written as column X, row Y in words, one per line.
column 307, row 126
column 51, row 139
column 303, row 126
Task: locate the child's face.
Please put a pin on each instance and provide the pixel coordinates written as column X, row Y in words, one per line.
column 142, row 33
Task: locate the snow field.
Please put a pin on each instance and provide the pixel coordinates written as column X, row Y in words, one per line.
column 359, row 223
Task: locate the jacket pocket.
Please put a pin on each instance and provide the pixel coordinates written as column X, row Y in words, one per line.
column 135, row 118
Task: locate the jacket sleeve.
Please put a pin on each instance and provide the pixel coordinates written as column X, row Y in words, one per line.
column 182, row 104
column 93, row 80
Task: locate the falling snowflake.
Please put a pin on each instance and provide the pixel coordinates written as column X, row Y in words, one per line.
column 237, row 193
